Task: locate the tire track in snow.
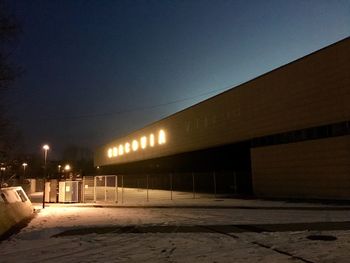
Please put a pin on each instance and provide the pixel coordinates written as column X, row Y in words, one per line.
column 246, row 241
column 89, row 250
column 258, row 244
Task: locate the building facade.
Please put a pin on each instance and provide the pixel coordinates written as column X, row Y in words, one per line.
column 283, row 134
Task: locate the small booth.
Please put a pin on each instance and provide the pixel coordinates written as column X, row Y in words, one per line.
column 70, row 192
column 51, row 191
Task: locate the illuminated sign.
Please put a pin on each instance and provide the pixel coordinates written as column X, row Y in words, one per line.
column 136, row 144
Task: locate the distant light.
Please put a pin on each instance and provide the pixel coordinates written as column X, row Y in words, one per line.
column 24, row 164
column 115, row 151
column 110, row 153
column 3, row 168
column 143, row 142
column 151, row 140
column 161, row 137
column 127, row 147
column 67, row 167
column 121, row 149
column 46, row 147
column 135, row 145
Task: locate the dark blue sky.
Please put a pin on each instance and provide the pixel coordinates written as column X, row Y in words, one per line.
column 96, row 70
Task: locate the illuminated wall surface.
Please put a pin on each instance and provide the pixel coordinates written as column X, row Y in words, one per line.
column 308, row 169
column 311, row 91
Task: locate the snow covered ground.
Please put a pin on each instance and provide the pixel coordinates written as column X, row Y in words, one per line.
column 231, row 230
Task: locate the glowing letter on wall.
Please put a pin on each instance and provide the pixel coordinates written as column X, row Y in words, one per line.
column 143, row 142
column 151, row 140
column 110, row 153
column 135, row 145
column 161, row 137
column 121, row 150
column 115, row 151
column 127, row 147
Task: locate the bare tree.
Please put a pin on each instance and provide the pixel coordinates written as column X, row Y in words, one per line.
column 81, row 158
column 9, row 32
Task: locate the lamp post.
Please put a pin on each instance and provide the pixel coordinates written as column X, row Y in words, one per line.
column 45, row 148
column 24, row 170
column 67, row 168
column 59, row 172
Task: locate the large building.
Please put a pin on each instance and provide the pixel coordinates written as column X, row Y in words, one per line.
column 283, row 134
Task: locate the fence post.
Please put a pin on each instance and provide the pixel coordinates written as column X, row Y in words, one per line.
column 105, row 188
column 147, row 188
column 94, row 189
column 116, row 189
column 194, row 192
column 214, row 178
column 122, row 189
column 234, row 182
column 83, row 190
column 171, row 186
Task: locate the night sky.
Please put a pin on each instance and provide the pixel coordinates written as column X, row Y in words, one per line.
column 97, row 70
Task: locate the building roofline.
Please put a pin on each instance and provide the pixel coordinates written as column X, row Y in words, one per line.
column 239, row 85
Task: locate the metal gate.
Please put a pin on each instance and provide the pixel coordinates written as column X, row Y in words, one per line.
column 88, row 189
column 102, row 188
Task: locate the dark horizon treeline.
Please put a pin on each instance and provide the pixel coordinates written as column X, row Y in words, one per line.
column 12, row 150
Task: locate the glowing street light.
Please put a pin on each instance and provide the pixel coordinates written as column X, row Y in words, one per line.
column 67, row 167
column 24, row 169
column 45, row 148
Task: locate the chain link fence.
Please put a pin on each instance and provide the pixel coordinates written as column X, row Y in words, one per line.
column 141, row 187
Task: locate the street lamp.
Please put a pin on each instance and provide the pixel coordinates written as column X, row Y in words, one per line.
column 45, row 148
column 59, row 171
column 24, row 170
column 67, row 168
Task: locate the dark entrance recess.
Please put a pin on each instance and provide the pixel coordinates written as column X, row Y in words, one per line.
column 226, row 168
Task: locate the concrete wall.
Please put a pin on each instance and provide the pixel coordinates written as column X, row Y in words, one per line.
column 310, row 169
column 13, row 209
column 311, row 91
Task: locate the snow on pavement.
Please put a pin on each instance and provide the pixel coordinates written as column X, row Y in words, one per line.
column 36, row 244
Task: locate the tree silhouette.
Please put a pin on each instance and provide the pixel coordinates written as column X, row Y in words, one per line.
column 9, row 32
